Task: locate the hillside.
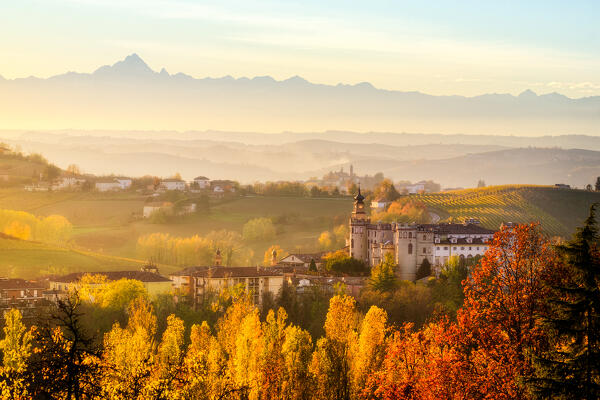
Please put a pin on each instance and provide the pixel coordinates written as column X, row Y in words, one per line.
column 25, row 259
column 559, row 211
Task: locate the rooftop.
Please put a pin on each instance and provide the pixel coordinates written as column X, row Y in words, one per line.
column 228, row 272
column 7, row 284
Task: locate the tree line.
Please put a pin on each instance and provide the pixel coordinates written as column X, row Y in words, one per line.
column 54, row 229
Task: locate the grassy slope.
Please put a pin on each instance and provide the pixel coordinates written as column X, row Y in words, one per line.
column 559, row 211
column 26, row 259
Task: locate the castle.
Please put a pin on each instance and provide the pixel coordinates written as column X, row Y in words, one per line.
column 411, row 244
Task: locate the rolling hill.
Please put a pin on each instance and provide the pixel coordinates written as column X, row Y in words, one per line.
column 559, row 211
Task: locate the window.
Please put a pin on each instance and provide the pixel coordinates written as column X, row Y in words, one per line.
column 445, row 247
column 454, row 248
column 424, row 237
column 477, row 248
column 469, row 247
column 462, row 248
column 410, row 248
column 424, row 250
column 437, row 248
column 410, row 235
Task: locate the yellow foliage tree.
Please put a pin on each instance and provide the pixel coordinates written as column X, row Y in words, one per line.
column 16, row 349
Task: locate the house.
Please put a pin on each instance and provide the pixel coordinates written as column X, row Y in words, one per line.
column 150, row 278
column 108, row 186
column 202, row 182
column 562, row 186
column 222, row 186
column 303, row 260
column 37, row 187
column 173, row 184
column 20, row 293
column 200, row 281
column 151, row 208
column 125, row 183
column 379, row 205
column 68, row 183
column 418, row 187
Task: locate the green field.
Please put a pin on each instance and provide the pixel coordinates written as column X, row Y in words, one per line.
column 558, row 211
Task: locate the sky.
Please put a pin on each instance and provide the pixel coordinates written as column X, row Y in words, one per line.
column 436, row 47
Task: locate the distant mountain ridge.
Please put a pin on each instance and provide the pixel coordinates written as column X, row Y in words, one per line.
column 129, row 94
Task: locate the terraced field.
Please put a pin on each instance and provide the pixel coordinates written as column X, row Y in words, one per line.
column 559, row 211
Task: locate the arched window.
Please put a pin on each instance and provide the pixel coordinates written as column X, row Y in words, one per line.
column 410, row 248
column 410, row 235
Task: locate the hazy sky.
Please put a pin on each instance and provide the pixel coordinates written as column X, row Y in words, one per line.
column 437, row 47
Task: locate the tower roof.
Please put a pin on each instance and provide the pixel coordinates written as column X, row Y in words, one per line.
column 359, row 197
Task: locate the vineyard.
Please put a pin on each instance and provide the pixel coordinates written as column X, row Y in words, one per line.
column 558, row 210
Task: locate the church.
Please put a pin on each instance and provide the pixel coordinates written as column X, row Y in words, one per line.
column 411, row 244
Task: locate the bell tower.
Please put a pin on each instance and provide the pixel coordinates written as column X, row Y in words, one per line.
column 358, row 229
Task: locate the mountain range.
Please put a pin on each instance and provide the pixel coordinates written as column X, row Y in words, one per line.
column 130, row 95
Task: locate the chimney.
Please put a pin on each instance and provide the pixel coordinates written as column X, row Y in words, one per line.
column 218, row 259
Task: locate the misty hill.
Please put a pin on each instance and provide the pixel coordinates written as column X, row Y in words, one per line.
column 193, row 154
column 129, row 94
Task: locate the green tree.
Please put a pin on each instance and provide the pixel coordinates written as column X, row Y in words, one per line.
column 424, row 269
column 571, row 369
column 258, row 229
column 313, row 265
column 597, row 186
column 383, row 277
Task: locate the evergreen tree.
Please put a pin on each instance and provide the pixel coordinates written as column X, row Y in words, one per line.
column 383, row 278
column 424, row 269
column 313, row 265
column 571, row 369
column 598, row 184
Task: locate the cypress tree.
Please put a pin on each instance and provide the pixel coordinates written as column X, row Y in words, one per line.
column 571, row 368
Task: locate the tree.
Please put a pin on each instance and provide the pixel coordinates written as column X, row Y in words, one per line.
column 16, row 349
column 340, row 262
column 332, row 358
column 424, row 269
column 312, row 266
column 51, row 172
column 481, row 183
column 370, row 350
column 279, row 254
column 258, row 229
column 571, row 369
column 385, row 190
column 597, row 186
column 73, row 170
column 383, row 277
column 499, row 324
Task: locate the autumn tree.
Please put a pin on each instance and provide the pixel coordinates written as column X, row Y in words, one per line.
column 331, row 360
column 571, row 369
column 279, row 254
column 16, row 349
column 499, row 324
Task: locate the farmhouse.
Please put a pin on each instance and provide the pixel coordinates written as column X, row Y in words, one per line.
column 151, row 208
column 108, row 186
column 202, row 182
column 125, row 183
column 303, row 260
column 379, row 204
column 68, row 183
column 173, row 184
column 412, row 244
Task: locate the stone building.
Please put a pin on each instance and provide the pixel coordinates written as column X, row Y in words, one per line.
column 411, row 244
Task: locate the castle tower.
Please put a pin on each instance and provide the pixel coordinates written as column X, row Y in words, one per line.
column 358, row 229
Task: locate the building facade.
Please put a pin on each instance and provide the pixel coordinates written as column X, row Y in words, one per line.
column 412, row 244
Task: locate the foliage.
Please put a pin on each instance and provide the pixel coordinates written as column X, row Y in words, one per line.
column 383, row 276
column 258, row 229
column 386, row 191
column 571, row 366
column 424, row 269
column 340, row 262
column 22, row 225
column 406, row 209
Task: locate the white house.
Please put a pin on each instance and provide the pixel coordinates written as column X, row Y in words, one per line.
column 151, row 208
column 173, row 184
column 125, row 183
column 416, row 188
column 379, row 204
column 202, row 182
column 67, row 182
column 108, row 186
